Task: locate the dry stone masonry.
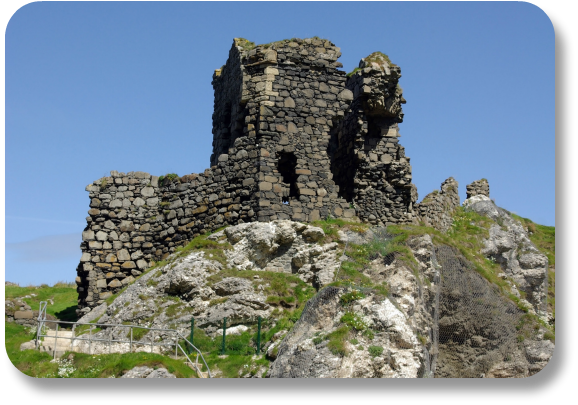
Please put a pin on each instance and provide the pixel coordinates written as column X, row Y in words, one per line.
column 478, row 187
column 294, row 138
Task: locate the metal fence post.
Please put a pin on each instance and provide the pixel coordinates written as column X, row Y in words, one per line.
column 224, row 333
column 191, row 339
column 56, row 339
column 258, row 335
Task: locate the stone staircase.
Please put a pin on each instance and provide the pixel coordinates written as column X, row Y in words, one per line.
column 56, row 346
column 201, row 374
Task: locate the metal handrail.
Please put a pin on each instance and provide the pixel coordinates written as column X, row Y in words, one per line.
column 42, row 321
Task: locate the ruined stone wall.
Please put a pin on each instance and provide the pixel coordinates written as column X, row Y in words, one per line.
column 293, row 138
column 368, row 163
column 437, row 207
column 135, row 220
column 478, row 187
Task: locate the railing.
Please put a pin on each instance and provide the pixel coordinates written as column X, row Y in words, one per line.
column 42, row 321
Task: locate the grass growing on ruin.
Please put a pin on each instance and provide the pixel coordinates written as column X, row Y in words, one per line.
column 353, row 72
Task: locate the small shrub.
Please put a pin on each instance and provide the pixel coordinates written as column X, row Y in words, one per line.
column 354, row 341
column 375, row 351
column 354, row 320
column 351, row 296
column 337, row 340
column 422, row 339
column 549, row 336
column 152, row 283
column 172, row 310
column 218, row 301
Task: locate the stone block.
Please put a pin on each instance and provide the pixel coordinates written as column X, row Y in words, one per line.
column 126, row 226
column 349, row 213
column 128, row 265
column 142, row 264
column 265, row 186
column 139, row 202
column 23, row 315
column 200, row 209
column 387, row 159
column 302, row 171
column 101, row 236
column 306, row 191
column 111, row 258
column 289, row 103
column 345, row 95
column 123, row 255
column 114, row 284
column 127, row 280
column 101, row 283
column 314, row 215
column 87, row 236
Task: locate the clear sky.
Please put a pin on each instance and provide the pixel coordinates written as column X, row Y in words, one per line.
column 94, row 87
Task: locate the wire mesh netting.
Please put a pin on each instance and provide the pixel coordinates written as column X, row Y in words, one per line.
column 473, row 329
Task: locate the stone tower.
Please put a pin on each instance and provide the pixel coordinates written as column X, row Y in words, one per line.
column 317, row 143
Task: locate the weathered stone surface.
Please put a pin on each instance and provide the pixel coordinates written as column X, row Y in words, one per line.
column 114, row 284
column 147, row 372
column 23, row 315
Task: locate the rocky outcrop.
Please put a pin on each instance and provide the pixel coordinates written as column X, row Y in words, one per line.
column 391, row 337
column 168, row 296
column 147, row 372
column 523, row 265
column 391, row 352
column 441, row 319
column 282, row 246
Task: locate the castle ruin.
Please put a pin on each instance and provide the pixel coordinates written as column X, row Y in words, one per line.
column 293, row 138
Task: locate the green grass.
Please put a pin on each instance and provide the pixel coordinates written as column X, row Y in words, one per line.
column 349, row 297
column 337, row 340
column 352, row 72
column 354, row 321
column 36, row 364
column 168, row 179
column 375, row 351
column 64, row 296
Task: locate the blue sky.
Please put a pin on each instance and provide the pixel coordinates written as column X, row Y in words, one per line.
column 94, row 87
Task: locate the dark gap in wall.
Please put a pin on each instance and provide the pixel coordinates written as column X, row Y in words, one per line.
column 286, row 166
column 343, row 163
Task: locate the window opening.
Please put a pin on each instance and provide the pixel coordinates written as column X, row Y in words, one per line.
column 286, row 167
